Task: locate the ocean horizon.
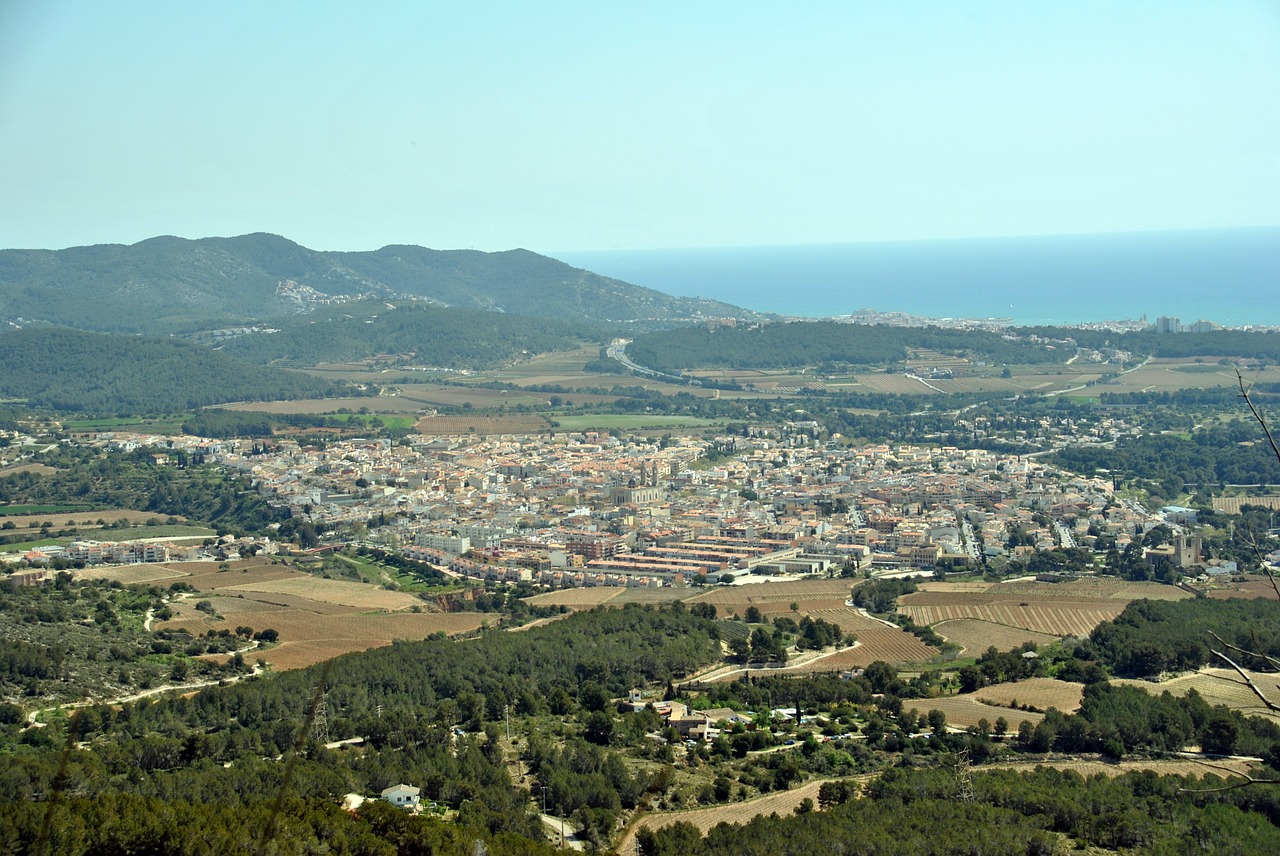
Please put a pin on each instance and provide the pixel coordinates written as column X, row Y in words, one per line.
column 1228, row 276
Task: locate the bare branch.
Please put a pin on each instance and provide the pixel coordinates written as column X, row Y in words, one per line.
column 1244, row 393
column 1249, row 682
column 1270, row 660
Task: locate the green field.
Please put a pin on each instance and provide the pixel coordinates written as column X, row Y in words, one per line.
column 606, row 421
column 13, row 510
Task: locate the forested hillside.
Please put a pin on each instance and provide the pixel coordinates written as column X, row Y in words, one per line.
column 923, row 812
column 196, row 491
column 63, row 369
column 822, row 343
column 435, row 336
column 1151, row 637
column 426, row 711
column 1215, row 343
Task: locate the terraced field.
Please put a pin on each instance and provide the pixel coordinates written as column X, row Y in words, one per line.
column 1055, row 618
column 1054, row 609
column 889, row 644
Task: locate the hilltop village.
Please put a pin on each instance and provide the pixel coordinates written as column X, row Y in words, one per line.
column 593, row 509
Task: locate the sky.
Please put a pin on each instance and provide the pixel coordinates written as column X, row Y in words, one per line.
column 597, row 126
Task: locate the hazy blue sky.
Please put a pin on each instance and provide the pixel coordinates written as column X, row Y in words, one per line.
column 600, row 125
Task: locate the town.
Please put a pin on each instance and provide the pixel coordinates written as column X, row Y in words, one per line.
column 601, row 509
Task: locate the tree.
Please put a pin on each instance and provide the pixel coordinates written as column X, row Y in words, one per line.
column 1220, row 734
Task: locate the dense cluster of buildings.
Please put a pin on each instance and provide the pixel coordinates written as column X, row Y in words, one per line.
column 597, row 509
column 600, row 509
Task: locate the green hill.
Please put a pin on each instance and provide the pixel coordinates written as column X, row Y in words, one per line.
column 193, row 284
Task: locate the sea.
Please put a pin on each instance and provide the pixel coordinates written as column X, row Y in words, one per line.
column 1227, row 276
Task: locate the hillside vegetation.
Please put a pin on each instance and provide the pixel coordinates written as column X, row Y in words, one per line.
column 822, row 343
column 435, row 336
column 71, row 370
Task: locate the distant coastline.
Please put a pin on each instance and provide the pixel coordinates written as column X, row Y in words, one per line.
column 1227, row 276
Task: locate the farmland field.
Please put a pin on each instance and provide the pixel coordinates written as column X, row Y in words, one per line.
column 975, row 636
column 315, row 617
column 17, row 510
column 441, row 395
column 478, row 424
column 1041, row 693
column 891, row 644
column 83, row 520
column 1094, row 587
column 1231, row 504
column 893, row 383
column 990, row 703
column 628, row 422
column 665, row 594
column 313, row 406
column 1063, row 609
column 775, row 598
column 1162, row 767
column 976, row 585
column 1253, row 588
column 966, row 711
column 131, row 574
column 358, row 595
column 576, row 598
column 782, row 802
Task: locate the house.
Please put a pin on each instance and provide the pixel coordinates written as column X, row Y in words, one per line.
column 404, row 796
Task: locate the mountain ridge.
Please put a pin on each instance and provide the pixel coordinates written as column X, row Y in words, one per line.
column 189, row 284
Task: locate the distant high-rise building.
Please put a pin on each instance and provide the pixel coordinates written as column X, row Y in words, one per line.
column 1167, row 324
column 1201, row 327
